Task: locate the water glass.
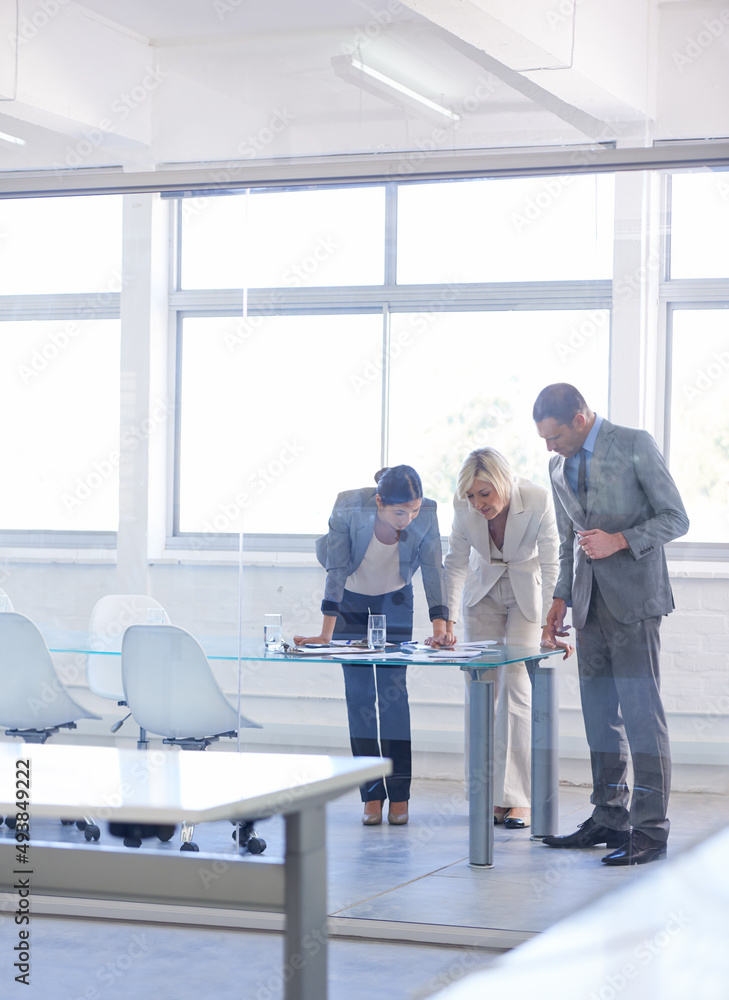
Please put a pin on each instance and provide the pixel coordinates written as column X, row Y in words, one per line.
column 376, row 632
column 272, row 631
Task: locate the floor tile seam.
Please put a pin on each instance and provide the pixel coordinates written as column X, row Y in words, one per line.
column 400, row 885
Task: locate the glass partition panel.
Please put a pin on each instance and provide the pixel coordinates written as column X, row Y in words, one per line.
column 699, row 224
column 519, row 229
column 59, row 405
column 699, row 451
column 273, row 425
column 61, row 245
column 500, row 361
column 284, row 239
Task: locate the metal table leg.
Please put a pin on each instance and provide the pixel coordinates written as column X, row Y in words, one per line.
column 545, row 748
column 481, row 771
column 305, row 939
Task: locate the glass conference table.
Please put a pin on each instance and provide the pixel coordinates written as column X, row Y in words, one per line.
column 541, row 665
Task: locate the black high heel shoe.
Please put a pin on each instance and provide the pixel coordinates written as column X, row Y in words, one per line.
column 517, row 822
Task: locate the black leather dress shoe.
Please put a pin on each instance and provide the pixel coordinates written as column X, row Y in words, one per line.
column 638, row 849
column 589, row 834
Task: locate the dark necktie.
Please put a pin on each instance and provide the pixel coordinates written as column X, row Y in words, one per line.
column 582, row 479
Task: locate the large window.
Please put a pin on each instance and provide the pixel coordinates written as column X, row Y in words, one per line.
column 697, row 296
column 425, row 330
column 60, row 280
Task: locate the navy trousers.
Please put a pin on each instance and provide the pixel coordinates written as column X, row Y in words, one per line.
column 377, row 697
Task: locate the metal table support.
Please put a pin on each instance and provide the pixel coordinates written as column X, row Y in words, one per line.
column 481, row 758
column 545, row 747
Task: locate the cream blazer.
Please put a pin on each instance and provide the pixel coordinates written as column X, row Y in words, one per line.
column 530, row 553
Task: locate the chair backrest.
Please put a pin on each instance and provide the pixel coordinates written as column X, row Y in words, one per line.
column 5, row 603
column 32, row 695
column 169, row 686
column 110, row 617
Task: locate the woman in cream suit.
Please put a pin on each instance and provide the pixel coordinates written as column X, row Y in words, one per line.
column 503, row 559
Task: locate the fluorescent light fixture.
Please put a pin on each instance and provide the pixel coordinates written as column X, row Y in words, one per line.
column 12, row 138
column 353, row 70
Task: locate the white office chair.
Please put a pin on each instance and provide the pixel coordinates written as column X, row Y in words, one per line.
column 34, row 703
column 172, row 691
column 110, row 617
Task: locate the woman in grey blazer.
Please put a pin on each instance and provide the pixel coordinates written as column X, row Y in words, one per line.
column 377, row 540
column 503, row 558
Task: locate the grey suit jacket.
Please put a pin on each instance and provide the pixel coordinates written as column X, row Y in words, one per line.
column 630, row 490
column 350, row 532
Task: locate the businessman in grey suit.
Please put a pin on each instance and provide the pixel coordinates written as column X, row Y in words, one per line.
column 616, row 507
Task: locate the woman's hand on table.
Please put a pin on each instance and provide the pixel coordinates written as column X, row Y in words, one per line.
column 315, row 640
column 442, row 634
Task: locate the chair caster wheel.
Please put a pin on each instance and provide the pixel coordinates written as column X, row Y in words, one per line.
column 10, row 822
column 66, row 822
column 132, row 841
column 92, row 832
column 190, row 846
column 256, row 845
column 165, row 833
column 81, row 824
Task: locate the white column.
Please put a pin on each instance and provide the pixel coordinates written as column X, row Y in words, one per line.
column 145, row 410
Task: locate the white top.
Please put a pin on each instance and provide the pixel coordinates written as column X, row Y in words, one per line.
column 164, row 786
column 379, row 571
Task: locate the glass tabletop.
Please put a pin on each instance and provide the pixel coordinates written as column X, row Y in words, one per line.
column 231, row 647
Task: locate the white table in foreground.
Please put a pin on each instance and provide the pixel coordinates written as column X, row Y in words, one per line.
column 164, row 787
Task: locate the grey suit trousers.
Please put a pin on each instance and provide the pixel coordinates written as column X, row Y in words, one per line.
column 623, row 712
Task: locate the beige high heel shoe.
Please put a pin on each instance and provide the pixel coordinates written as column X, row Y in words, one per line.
column 397, row 814
column 372, row 813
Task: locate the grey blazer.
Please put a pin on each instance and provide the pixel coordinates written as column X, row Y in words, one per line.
column 631, row 490
column 350, row 531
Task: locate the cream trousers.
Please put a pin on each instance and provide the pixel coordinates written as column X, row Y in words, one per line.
column 497, row 616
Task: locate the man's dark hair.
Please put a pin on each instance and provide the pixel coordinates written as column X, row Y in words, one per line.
column 560, row 401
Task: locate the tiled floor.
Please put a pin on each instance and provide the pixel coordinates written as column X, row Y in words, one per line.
column 391, row 886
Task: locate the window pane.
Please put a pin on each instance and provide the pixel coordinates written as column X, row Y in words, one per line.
column 699, row 225
column 699, row 452
column 505, row 359
column 275, row 424
column 520, row 229
column 50, row 245
column 59, row 401
column 284, row 239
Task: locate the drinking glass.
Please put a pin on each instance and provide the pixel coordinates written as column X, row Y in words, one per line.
column 272, row 631
column 376, row 632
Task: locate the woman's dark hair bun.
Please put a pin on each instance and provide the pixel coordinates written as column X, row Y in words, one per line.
column 399, row 484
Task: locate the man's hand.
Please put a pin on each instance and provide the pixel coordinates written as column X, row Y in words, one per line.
column 599, row 544
column 555, row 621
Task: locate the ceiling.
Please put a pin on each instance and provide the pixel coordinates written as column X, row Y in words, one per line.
column 142, row 85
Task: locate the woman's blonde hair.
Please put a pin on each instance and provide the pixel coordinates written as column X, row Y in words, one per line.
column 491, row 466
